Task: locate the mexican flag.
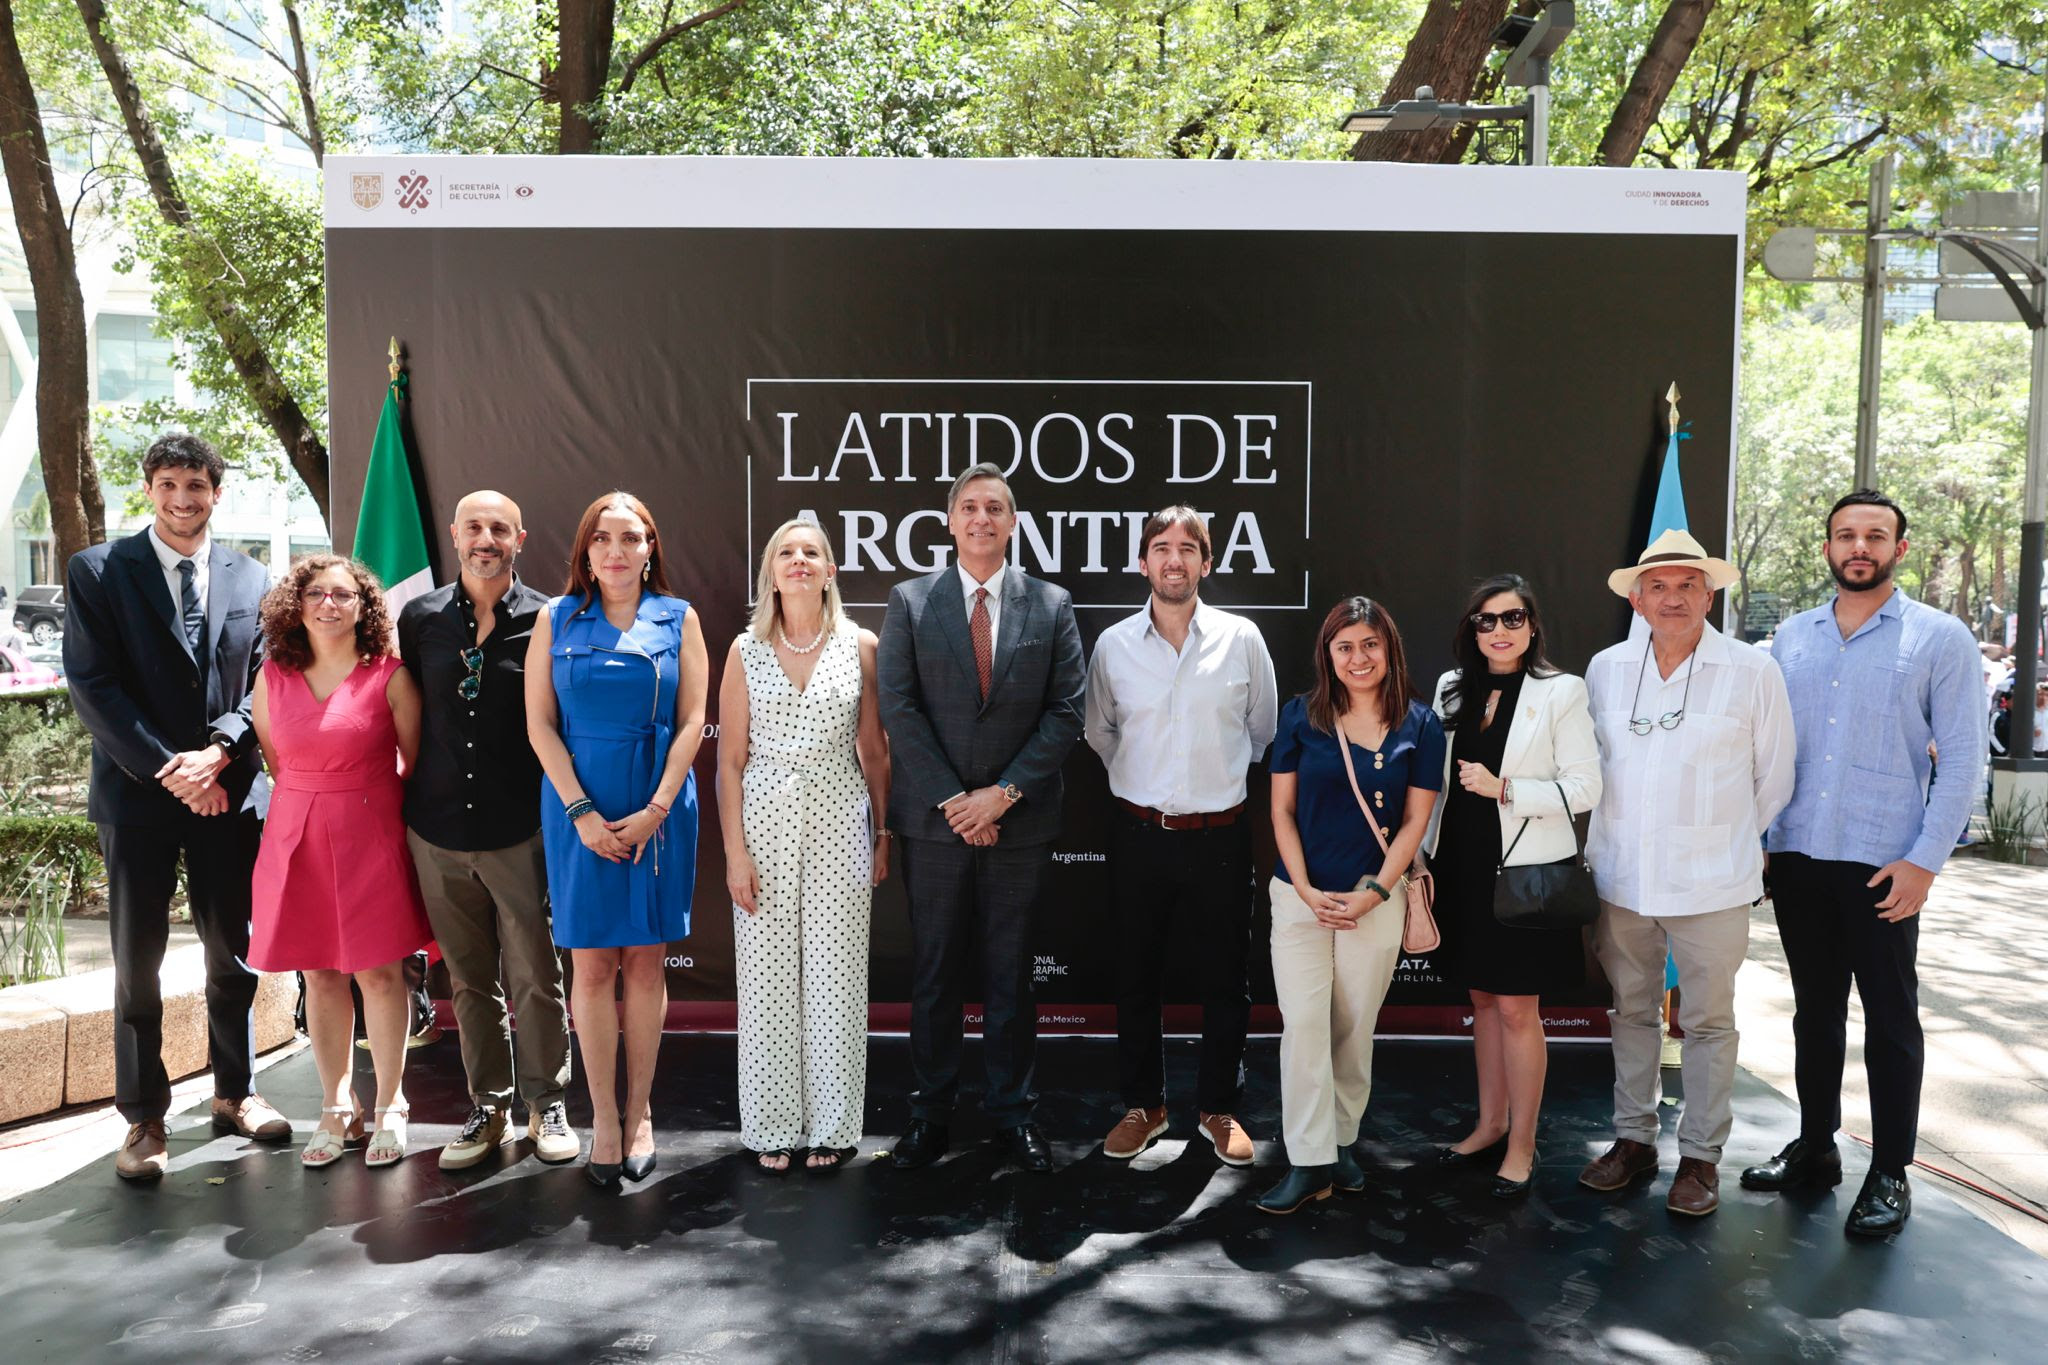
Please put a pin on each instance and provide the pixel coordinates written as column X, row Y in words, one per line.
column 391, row 533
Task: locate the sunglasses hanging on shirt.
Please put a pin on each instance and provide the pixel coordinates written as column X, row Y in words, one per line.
column 473, row 660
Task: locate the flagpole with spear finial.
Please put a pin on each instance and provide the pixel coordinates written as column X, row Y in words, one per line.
column 397, row 365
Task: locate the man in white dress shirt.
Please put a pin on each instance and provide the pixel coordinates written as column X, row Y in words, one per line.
column 1180, row 704
column 1696, row 758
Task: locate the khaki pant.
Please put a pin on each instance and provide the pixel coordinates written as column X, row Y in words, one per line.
column 486, row 907
column 1330, row 983
column 1709, row 948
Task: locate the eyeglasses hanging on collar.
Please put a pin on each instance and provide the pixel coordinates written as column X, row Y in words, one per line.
column 1670, row 720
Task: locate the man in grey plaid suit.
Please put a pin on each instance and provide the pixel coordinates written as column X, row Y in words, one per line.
column 980, row 674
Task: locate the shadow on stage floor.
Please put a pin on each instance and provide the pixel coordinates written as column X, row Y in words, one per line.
column 239, row 1254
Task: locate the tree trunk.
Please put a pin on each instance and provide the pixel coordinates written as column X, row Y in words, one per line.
column 1447, row 53
column 1678, row 32
column 272, row 397
column 63, row 411
column 584, row 49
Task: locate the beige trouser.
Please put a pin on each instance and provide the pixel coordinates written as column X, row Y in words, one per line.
column 1330, row 983
column 1708, row 948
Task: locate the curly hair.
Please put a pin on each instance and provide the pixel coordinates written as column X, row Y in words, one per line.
column 284, row 625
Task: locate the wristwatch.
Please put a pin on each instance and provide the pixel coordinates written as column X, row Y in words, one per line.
column 1012, row 793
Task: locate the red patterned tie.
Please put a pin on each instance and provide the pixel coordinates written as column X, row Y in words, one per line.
column 984, row 647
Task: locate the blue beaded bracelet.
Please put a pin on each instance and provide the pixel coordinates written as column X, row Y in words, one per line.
column 576, row 810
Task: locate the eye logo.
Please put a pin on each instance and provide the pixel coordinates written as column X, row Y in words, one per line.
column 524, row 191
column 413, row 192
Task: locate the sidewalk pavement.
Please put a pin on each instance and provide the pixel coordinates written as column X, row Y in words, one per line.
column 1984, row 1008
column 1983, row 1116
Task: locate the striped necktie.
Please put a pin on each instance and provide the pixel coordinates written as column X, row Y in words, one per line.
column 193, row 615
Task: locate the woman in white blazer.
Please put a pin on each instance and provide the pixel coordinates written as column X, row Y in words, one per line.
column 1522, row 762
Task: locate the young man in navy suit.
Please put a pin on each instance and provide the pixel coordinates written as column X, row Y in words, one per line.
column 161, row 647
column 980, row 678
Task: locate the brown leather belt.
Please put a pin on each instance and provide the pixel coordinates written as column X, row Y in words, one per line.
column 1159, row 819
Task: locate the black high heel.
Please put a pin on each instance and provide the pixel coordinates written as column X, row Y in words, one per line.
column 637, row 1168
column 603, row 1174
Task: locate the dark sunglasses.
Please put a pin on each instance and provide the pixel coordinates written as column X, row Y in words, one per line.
column 473, row 660
column 1514, row 618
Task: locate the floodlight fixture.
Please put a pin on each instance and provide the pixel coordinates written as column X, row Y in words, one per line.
column 1533, row 39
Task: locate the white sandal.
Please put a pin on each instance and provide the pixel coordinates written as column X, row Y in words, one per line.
column 387, row 1145
column 323, row 1147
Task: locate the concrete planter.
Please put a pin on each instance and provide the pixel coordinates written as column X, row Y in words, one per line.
column 57, row 1036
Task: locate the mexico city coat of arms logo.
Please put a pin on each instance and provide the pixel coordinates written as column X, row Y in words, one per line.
column 367, row 190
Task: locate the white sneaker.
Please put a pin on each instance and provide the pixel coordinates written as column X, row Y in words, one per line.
column 554, row 1141
column 480, row 1136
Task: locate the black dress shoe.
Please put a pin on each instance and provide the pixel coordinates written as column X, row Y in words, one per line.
column 1882, row 1208
column 1802, row 1165
column 637, row 1168
column 1347, row 1176
column 1511, row 1190
column 1027, row 1146
column 1303, row 1183
column 603, row 1174
column 1450, row 1158
column 922, row 1143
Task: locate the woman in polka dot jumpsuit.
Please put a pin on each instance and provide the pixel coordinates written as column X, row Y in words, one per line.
column 803, row 771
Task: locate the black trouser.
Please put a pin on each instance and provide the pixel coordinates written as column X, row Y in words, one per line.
column 1196, row 883
column 142, row 874
column 955, row 890
column 1828, row 922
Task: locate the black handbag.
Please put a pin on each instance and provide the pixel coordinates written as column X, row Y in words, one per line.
column 1558, row 895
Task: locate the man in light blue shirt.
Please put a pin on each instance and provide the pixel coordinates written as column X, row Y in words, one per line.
column 1879, row 684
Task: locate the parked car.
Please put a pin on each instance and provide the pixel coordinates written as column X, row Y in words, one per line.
column 50, row 656
column 39, row 612
column 18, row 671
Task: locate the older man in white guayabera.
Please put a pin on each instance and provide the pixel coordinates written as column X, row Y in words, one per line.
column 1696, row 758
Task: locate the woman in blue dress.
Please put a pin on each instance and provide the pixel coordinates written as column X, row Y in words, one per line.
column 616, row 677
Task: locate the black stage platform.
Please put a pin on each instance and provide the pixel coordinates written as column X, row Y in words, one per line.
column 239, row 1255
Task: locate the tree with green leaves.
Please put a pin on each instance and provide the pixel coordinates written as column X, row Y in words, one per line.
column 42, row 220
column 205, row 268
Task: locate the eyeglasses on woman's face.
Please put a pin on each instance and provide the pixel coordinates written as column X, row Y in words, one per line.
column 341, row 597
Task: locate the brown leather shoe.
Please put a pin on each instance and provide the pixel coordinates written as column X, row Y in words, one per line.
column 252, row 1117
column 142, row 1155
column 1626, row 1161
column 1233, row 1145
column 1696, row 1190
column 1134, row 1132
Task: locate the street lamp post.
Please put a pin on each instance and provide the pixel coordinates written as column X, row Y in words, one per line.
column 1534, row 40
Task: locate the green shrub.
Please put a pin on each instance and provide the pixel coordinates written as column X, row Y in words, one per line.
column 2010, row 827
column 44, row 750
column 48, row 866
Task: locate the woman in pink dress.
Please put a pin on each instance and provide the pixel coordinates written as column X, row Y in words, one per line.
column 335, row 893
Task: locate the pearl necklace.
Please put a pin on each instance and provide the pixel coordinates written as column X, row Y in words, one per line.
column 801, row 649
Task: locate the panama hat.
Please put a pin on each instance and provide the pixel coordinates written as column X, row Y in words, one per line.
column 1679, row 549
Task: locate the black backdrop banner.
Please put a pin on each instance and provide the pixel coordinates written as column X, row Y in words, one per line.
column 1388, row 380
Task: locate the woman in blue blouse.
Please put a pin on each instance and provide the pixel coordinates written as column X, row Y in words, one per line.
column 616, row 677
column 1338, row 897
